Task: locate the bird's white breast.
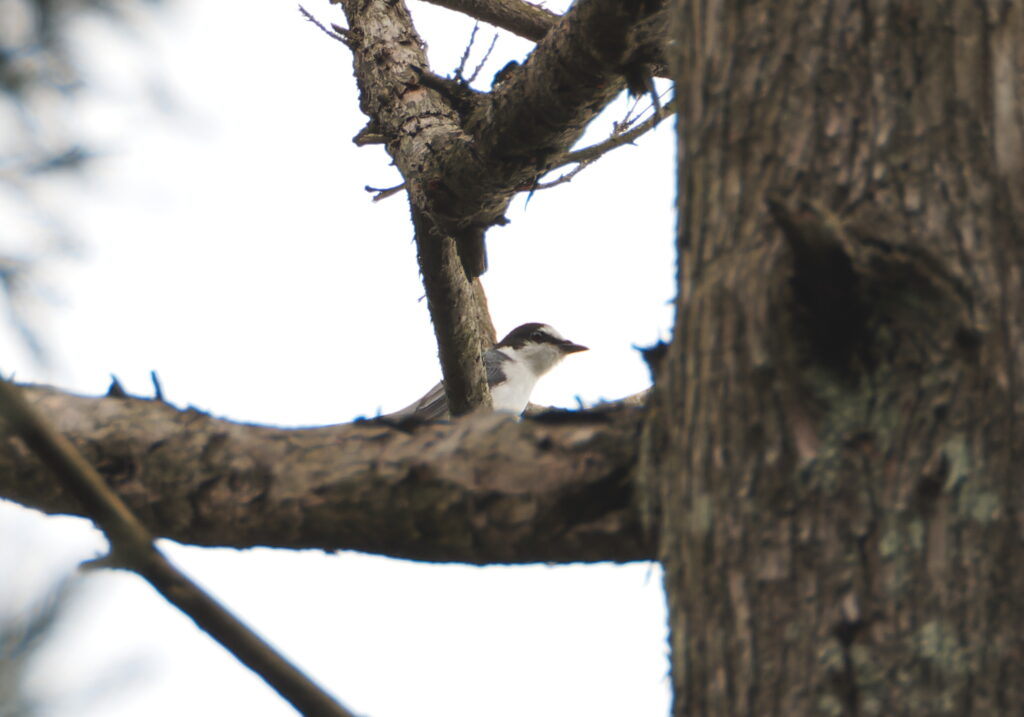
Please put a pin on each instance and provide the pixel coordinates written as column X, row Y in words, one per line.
column 512, row 394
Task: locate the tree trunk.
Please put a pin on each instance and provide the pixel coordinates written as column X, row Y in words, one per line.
column 834, row 447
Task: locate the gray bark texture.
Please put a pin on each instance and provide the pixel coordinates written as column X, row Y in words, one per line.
column 833, row 455
column 485, row 489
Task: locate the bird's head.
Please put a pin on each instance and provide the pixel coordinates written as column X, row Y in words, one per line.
column 538, row 345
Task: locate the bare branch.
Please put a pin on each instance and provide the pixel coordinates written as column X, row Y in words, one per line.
column 369, row 135
column 588, row 155
column 533, row 23
column 385, row 192
column 482, row 489
column 518, row 17
column 563, row 178
column 336, row 33
column 483, row 60
column 462, row 325
column 465, row 157
column 583, row 59
column 465, row 154
column 416, row 128
column 618, row 138
column 465, row 55
column 132, row 547
column 158, row 391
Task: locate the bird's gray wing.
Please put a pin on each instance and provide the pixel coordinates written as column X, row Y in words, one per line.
column 434, row 404
column 493, row 359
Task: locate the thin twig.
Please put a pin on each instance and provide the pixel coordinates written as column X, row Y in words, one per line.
column 465, row 54
column 618, row 139
column 384, row 193
column 337, row 33
column 480, row 65
column 517, row 16
column 628, row 119
column 158, row 391
column 564, row 179
column 583, row 158
column 116, row 390
column 132, row 547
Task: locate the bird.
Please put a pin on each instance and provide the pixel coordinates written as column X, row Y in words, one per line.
column 513, row 366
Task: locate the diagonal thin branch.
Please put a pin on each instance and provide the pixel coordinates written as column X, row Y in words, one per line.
column 483, row 60
column 518, row 17
column 595, row 151
column 583, row 56
column 132, row 547
column 338, row 33
column 458, row 310
column 384, row 192
column 583, row 158
column 465, row 53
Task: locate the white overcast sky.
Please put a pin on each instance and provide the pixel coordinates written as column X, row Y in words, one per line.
column 229, row 245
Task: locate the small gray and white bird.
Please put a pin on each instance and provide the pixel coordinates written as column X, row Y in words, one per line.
column 513, row 366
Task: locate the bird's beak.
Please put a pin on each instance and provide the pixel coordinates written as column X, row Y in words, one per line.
column 570, row 348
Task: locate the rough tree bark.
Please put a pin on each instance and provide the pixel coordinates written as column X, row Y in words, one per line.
column 487, row 489
column 833, row 458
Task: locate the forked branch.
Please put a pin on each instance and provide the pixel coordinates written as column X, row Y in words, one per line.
column 465, row 154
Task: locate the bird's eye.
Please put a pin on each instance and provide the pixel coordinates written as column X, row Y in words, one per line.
column 537, row 336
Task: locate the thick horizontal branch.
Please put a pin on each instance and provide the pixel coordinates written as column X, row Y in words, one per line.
column 484, row 489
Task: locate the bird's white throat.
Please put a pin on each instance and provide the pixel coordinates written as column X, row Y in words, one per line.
column 528, row 363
